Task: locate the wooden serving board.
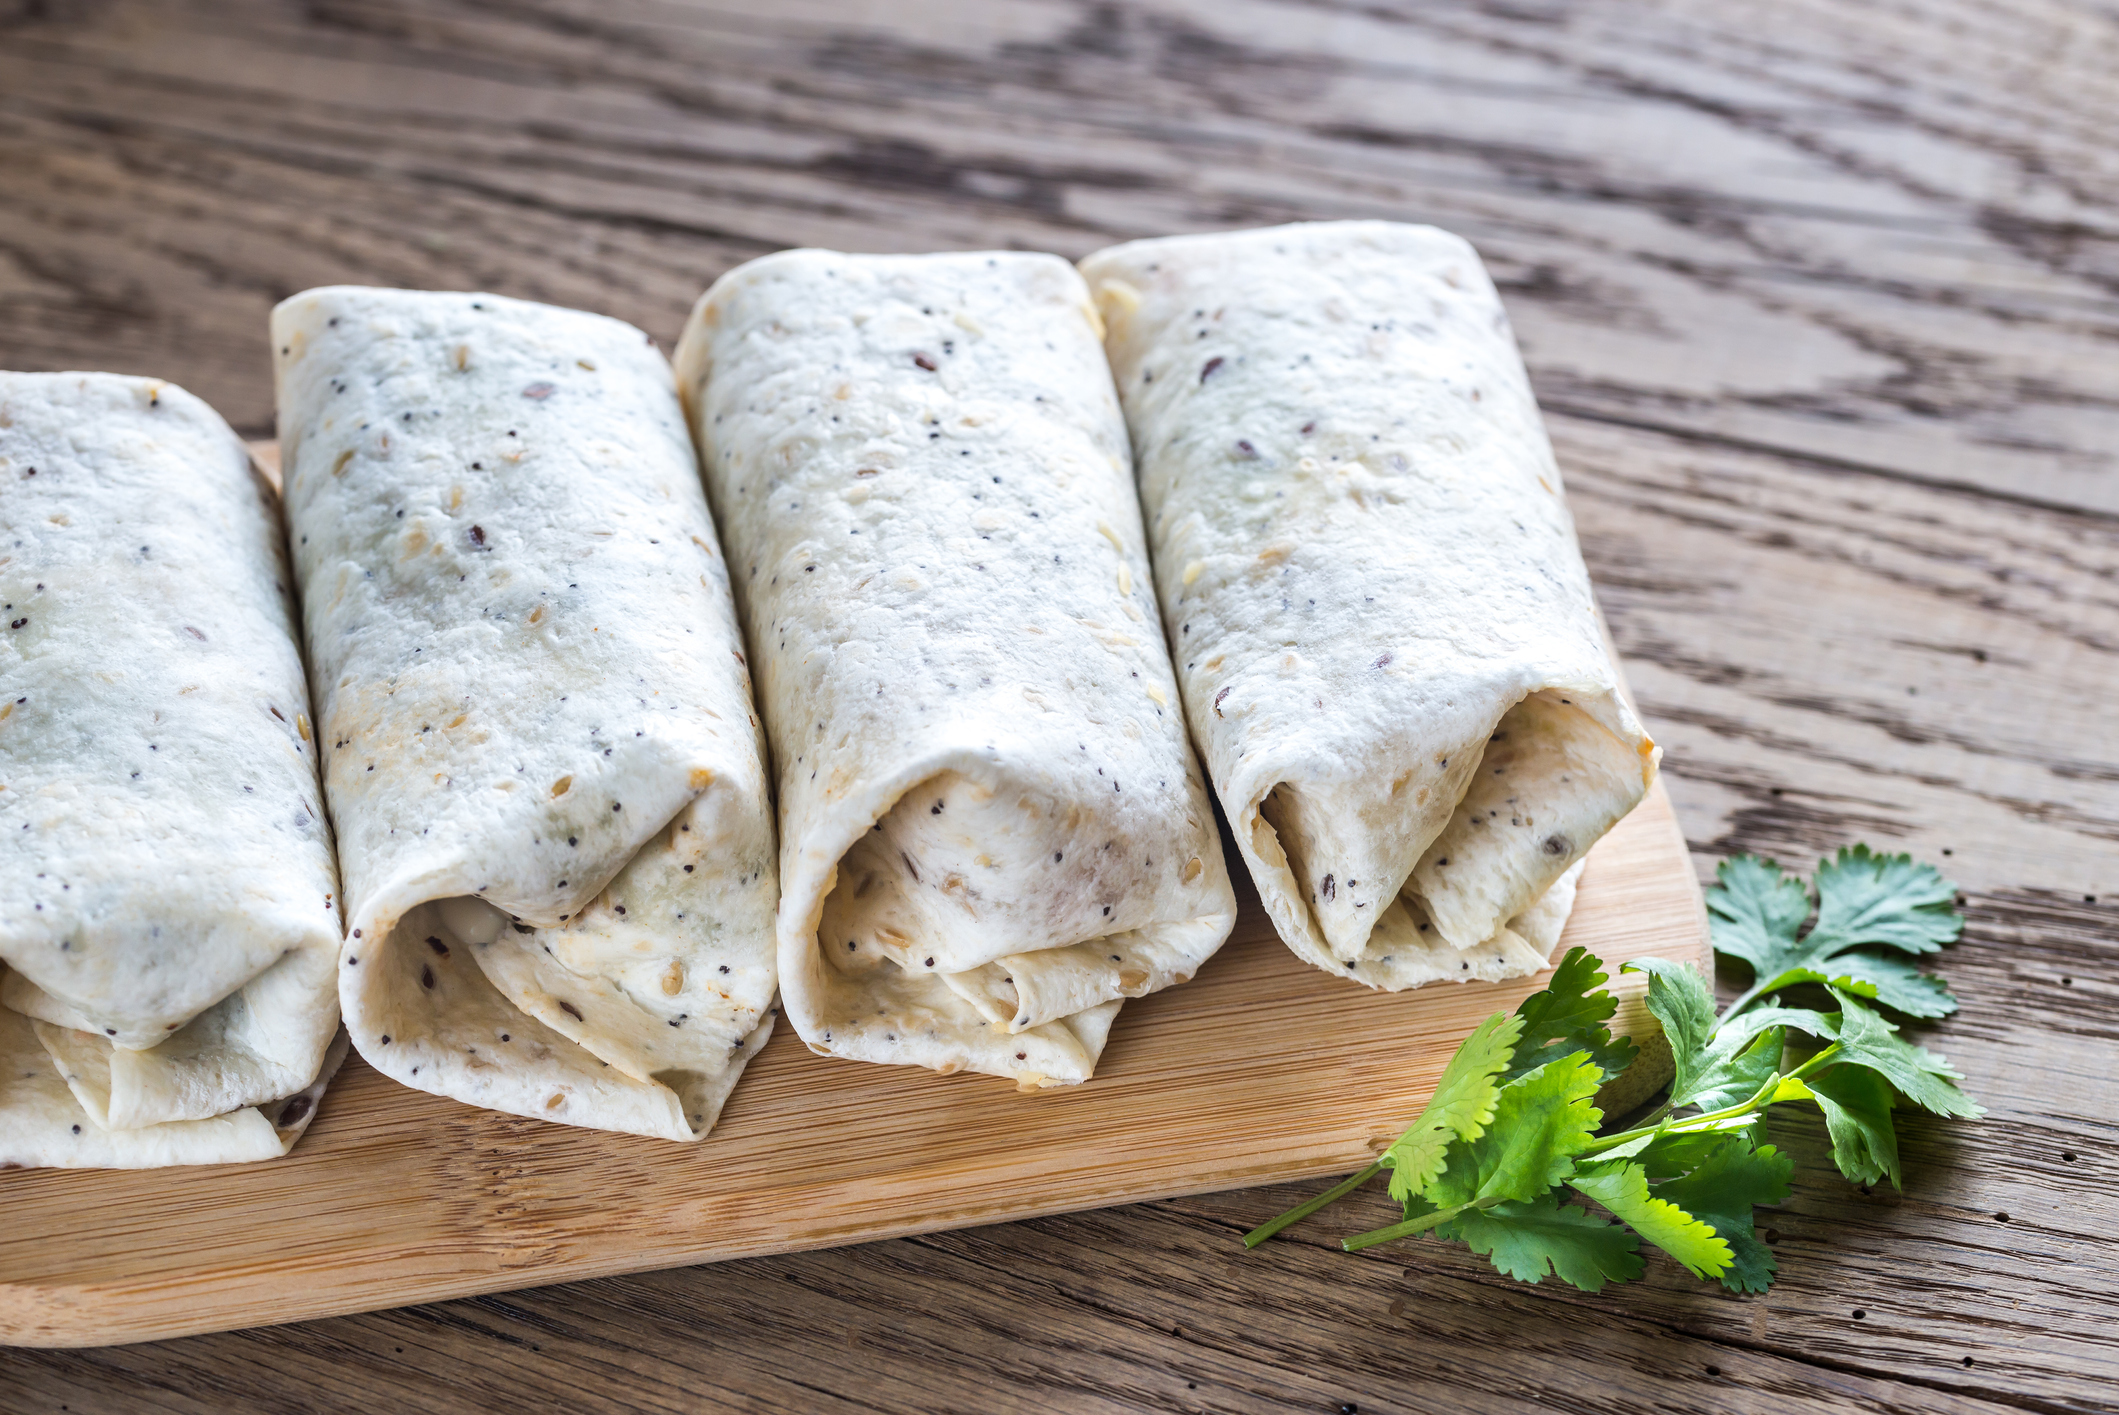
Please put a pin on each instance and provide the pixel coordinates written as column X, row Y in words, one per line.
column 1260, row 1069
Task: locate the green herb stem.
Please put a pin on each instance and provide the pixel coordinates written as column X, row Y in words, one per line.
column 1404, row 1230
column 1303, row 1210
column 1708, row 1120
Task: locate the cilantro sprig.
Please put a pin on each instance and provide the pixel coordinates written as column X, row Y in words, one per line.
column 1513, row 1126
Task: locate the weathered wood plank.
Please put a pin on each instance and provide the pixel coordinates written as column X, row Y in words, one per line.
column 1822, row 300
column 1870, row 235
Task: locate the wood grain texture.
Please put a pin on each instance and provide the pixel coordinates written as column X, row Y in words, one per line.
column 1821, row 301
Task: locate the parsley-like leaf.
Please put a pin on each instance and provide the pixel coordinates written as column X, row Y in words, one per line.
column 1568, row 1015
column 1513, row 1116
column 1857, row 1104
column 1666, row 1156
column 1461, row 1108
column 1734, row 1072
column 1541, row 1121
column 1528, row 1241
column 1679, row 999
column 1866, row 904
column 1748, row 1024
column 1622, row 1187
column 1722, row 1191
column 1921, row 1076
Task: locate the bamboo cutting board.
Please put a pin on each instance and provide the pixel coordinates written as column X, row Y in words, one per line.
column 1261, row 1069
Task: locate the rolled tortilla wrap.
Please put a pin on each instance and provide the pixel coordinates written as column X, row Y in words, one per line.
column 539, row 745
column 1383, row 626
column 168, row 914
column 993, row 829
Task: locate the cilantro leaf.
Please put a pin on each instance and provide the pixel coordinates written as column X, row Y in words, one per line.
column 1857, row 1104
column 1750, row 1022
column 1669, row 1155
column 1679, row 999
column 1622, row 1187
column 1567, row 1015
column 1541, row 1121
column 1527, row 1241
column 1755, row 912
column 1461, row 1108
column 1722, row 1190
column 1922, row 1077
column 1867, row 898
column 1734, row 1072
column 1866, row 904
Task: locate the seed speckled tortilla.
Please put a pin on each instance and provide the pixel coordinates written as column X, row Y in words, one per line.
column 1386, row 637
column 168, row 914
column 993, row 828
column 539, row 745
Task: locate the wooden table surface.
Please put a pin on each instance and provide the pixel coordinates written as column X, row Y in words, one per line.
column 1822, row 300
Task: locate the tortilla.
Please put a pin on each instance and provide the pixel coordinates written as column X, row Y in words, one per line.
column 1389, row 650
column 539, row 746
column 168, row 915
column 993, row 830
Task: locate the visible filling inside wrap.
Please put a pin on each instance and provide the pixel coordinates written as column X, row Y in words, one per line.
column 1026, row 909
column 1549, row 782
column 253, row 1047
column 639, row 984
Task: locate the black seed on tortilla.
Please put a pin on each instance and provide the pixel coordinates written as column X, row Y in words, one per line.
column 724, row 967
column 1212, row 364
column 478, row 536
column 1556, row 845
column 1019, row 1056
column 571, row 1010
column 619, row 907
column 1218, row 697
column 426, row 977
column 930, row 962
column 356, row 933
column 1328, row 886
column 441, row 949
column 504, row 1036
column 925, row 361
column 386, row 1039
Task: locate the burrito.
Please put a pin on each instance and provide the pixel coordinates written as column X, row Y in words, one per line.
column 539, row 746
column 169, row 923
column 1385, row 634
column 993, row 830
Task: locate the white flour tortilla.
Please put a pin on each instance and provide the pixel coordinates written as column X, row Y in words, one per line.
column 1386, row 637
column 988, row 805
column 539, row 745
column 168, row 922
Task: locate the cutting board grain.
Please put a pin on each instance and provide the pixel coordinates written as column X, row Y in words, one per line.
column 1262, row 1069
